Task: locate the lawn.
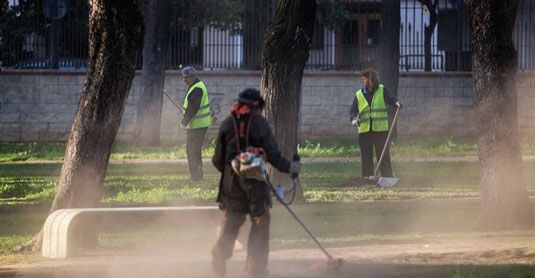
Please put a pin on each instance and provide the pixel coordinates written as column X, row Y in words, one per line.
column 134, row 184
column 308, row 148
column 28, row 188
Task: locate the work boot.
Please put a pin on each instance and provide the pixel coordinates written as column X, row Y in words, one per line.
column 218, row 263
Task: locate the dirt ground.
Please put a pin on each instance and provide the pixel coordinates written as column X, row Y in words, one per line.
column 436, row 257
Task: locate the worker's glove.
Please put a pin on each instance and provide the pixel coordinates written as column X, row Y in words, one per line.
column 399, row 104
column 355, row 121
column 295, row 167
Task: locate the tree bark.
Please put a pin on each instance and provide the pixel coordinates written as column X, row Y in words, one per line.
column 503, row 192
column 285, row 52
column 389, row 47
column 115, row 29
column 114, row 42
column 155, row 46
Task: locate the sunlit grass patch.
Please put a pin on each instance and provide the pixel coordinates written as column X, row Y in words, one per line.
column 426, row 147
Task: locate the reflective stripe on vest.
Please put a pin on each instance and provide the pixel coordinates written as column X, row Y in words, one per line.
column 375, row 117
column 203, row 116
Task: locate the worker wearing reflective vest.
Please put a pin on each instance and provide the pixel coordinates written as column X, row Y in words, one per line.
column 369, row 113
column 197, row 119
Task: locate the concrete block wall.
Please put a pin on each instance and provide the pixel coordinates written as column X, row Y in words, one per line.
column 436, row 106
column 41, row 105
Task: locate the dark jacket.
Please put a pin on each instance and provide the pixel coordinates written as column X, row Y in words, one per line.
column 390, row 99
column 235, row 194
column 194, row 102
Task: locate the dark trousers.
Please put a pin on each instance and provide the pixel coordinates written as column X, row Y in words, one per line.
column 194, row 139
column 257, row 246
column 368, row 141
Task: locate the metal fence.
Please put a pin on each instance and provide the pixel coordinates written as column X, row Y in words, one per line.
column 215, row 35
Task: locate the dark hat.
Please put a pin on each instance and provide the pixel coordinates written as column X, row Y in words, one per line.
column 250, row 96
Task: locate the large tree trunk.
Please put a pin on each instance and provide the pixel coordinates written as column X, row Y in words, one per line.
column 503, row 191
column 389, row 47
column 155, row 46
column 114, row 41
column 285, row 53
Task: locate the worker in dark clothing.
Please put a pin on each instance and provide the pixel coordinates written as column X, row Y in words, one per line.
column 243, row 130
column 197, row 119
column 369, row 113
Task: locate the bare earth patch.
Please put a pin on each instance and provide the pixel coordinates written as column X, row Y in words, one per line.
column 404, row 258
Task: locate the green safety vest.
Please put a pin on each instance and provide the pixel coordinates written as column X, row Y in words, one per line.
column 374, row 118
column 203, row 117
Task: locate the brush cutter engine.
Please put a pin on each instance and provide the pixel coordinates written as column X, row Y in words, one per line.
column 250, row 164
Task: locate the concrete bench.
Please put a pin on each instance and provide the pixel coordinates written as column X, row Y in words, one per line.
column 66, row 231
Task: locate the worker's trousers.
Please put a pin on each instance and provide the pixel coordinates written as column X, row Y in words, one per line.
column 194, row 139
column 257, row 246
column 374, row 140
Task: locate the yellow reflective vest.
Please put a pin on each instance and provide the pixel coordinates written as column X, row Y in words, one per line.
column 374, row 117
column 203, row 116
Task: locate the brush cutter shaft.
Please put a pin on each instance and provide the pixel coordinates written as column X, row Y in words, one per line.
column 297, row 219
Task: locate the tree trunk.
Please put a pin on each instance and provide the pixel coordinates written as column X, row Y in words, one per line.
column 155, row 46
column 114, row 41
column 503, row 191
column 389, row 47
column 285, row 53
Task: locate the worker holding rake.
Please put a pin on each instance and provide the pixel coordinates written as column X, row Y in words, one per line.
column 243, row 143
column 370, row 115
column 196, row 119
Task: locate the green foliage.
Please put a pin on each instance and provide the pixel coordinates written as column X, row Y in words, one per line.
column 223, row 14
column 16, row 23
column 332, row 13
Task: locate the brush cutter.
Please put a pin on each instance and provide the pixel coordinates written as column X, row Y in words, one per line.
column 279, row 192
column 383, row 181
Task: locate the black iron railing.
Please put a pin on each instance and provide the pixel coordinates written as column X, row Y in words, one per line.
column 216, row 35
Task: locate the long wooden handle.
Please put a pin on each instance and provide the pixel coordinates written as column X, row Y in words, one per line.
column 386, row 143
column 170, row 99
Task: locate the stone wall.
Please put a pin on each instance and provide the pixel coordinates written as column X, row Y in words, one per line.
column 40, row 105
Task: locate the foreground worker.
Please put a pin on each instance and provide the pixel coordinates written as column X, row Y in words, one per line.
column 369, row 113
column 197, row 119
column 246, row 133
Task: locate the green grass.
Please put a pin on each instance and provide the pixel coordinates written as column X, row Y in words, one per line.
column 18, row 228
column 307, row 148
column 27, row 189
column 510, row 271
column 168, row 183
